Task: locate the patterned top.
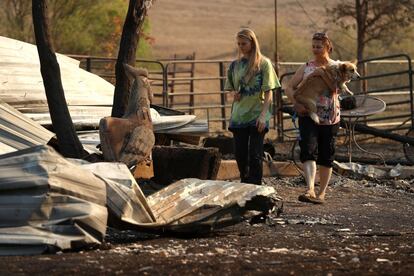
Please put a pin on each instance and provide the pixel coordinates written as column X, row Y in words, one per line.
column 328, row 109
column 246, row 111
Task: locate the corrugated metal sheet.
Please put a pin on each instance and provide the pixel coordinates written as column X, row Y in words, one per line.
column 188, row 205
column 51, row 203
column 48, row 203
column 88, row 96
column 22, row 84
column 126, row 203
column 19, row 132
column 192, row 204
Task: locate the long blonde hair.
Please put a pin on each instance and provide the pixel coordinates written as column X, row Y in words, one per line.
column 255, row 56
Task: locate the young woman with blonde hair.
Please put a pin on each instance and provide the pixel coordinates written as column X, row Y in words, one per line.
column 250, row 79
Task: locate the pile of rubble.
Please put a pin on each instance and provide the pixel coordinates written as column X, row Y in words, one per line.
column 50, row 203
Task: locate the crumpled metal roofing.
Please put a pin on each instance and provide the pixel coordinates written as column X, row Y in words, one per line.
column 191, row 205
column 22, row 84
column 88, row 96
column 18, row 131
column 188, row 205
column 48, row 203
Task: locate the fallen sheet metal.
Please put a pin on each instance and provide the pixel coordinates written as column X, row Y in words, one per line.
column 88, row 96
column 124, row 202
column 48, row 203
column 18, row 131
column 191, row 205
column 22, row 84
column 188, row 205
column 372, row 171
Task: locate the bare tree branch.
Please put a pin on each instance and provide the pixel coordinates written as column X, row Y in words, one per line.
column 375, row 19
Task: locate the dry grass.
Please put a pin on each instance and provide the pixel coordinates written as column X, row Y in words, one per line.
column 208, row 27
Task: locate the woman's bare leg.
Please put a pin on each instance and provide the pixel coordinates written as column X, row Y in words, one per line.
column 324, row 177
column 309, row 169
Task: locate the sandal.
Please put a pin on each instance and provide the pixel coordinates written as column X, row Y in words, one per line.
column 307, row 198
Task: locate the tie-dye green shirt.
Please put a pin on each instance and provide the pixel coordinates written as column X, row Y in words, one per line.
column 246, row 111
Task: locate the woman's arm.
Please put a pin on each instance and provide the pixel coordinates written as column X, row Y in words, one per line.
column 261, row 121
column 291, row 87
column 230, row 87
column 293, row 83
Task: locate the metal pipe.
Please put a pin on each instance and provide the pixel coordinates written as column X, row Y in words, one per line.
column 222, row 96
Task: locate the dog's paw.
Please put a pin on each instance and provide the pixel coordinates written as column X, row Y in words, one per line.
column 346, row 90
column 314, row 117
column 267, row 157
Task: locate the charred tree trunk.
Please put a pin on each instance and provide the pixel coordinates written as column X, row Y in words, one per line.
column 137, row 11
column 68, row 141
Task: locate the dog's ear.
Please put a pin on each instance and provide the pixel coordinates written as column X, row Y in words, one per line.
column 355, row 62
column 342, row 67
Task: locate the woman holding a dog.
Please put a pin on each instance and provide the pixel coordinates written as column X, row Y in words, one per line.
column 317, row 141
column 250, row 81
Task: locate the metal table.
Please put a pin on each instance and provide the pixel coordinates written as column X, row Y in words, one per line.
column 365, row 106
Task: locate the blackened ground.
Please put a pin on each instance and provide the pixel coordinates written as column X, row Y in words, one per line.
column 365, row 228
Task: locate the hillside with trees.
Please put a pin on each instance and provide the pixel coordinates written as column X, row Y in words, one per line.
column 88, row 27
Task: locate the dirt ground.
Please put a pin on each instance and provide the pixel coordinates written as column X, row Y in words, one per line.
column 365, row 228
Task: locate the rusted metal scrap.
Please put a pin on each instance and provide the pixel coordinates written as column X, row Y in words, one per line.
column 130, row 139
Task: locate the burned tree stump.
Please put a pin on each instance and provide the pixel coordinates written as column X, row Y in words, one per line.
column 130, row 139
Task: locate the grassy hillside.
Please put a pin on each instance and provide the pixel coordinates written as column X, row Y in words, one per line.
column 208, row 27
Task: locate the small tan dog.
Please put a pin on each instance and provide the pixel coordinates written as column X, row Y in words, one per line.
column 327, row 78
